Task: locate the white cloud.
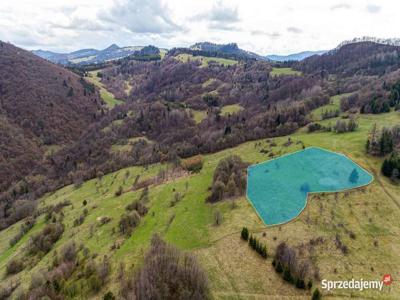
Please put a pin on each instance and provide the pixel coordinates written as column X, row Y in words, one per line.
column 275, row 26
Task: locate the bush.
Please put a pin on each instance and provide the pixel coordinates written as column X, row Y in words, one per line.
column 279, row 268
column 300, row 284
column 119, row 191
column 167, row 273
column 391, row 166
column 79, row 220
column 43, row 241
column 193, row 164
column 109, row 296
column 25, row 227
column 245, row 234
column 14, row 266
column 287, row 275
column 128, row 222
column 139, row 206
column 314, row 127
column 316, row 295
column 229, row 179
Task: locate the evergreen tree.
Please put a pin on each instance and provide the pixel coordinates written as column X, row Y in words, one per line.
column 316, row 295
column 287, row 275
column 245, row 234
column 300, row 283
column 279, row 268
column 265, row 254
column 386, row 142
column 251, row 241
column 353, row 178
column 309, row 284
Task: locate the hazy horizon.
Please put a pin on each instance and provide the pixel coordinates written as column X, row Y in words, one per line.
column 277, row 27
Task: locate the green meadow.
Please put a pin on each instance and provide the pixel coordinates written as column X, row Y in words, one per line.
column 234, row 270
column 107, row 96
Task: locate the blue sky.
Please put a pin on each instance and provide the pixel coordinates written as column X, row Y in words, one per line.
column 263, row 26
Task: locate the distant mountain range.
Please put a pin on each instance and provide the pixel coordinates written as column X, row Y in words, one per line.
column 94, row 56
column 114, row 52
column 295, row 56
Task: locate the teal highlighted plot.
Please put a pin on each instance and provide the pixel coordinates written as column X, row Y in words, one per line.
column 278, row 188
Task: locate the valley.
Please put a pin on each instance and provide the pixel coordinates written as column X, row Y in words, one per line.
column 190, row 223
column 150, row 172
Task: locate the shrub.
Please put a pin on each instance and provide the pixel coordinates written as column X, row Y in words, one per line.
column 279, row 268
column 229, row 179
column 79, row 220
column 128, row 222
column 139, row 206
column 245, row 234
column 167, row 273
column 309, row 284
column 287, row 275
column 109, row 296
column 119, row 191
column 314, row 127
column 25, row 227
column 193, row 164
column 300, row 284
column 316, row 295
column 14, row 266
column 43, row 241
column 391, row 166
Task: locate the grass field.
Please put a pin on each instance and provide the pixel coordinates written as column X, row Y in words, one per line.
column 230, row 109
column 199, row 115
column 234, row 270
column 206, row 60
column 332, row 106
column 284, row 71
column 108, row 97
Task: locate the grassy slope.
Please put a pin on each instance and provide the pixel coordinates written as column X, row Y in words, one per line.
column 284, row 71
column 236, row 272
column 108, row 97
column 333, row 105
column 205, row 60
column 230, row 109
column 199, row 115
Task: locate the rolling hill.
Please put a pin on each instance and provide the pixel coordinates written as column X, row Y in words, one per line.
column 94, row 56
column 359, row 58
column 156, row 184
column 231, row 48
column 42, row 106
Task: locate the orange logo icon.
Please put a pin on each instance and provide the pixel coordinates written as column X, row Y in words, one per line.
column 387, row 279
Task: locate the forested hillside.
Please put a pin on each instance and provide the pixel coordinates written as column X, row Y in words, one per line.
column 42, row 107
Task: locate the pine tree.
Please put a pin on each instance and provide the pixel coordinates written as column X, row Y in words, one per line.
column 264, row 252
column 279, row 268
column 245, row 234
column 353, row 178
column 300, row 283
column 287, row 275
column 316, row 295
column 309, row 284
